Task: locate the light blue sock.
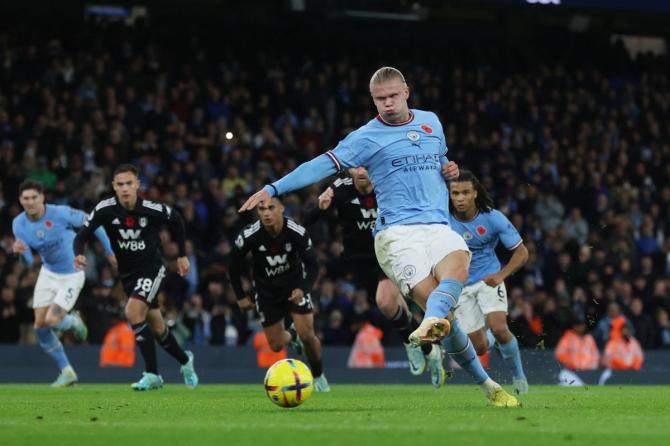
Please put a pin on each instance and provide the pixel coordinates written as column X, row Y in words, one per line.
column 490, row 339
column 512, row 356
column 52, row 346
column 443, row 298
column 65, row 324
column 459, row 347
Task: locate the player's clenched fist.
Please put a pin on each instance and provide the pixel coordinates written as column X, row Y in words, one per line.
column 297, row 295
column 450, row 171
column 80, row 262
column 18, row 247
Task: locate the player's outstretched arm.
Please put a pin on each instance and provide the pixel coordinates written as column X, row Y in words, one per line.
column 305, row 174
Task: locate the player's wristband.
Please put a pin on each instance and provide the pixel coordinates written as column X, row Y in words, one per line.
column 273, row 192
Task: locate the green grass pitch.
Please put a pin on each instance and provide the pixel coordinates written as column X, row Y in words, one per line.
column 351, row 415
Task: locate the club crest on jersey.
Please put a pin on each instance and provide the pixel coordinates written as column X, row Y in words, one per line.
column 143, row 222
column 239, row 242
column 39, row 233
column 467, row 235
column 413, row 135
column 288, row 247
column 49, row 224
column 409, row 271
column 481, row 230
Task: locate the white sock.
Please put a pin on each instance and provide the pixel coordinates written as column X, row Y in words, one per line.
column 68, row 370
column 489, row 386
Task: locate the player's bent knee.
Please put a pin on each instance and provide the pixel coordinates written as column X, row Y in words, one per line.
column 386, row 304
column 276, row 346
column 53, row 319
column 133, row 315
column 461, row 274
column 481, row 349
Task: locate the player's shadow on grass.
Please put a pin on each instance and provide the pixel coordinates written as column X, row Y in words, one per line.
column 332, row 409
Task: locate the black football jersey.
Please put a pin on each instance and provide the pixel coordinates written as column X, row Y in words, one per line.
column 279, row 263
column 134, row 234
column 356, row 213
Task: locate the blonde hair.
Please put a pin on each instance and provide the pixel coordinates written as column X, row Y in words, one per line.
column 385, row 74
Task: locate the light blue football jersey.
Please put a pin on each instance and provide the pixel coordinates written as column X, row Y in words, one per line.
column 51, row 237
column 482, row 234
column 404, row 162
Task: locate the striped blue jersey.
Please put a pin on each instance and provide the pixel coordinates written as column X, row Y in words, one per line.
column 482, row 235
column 51, row 237
column 404, row 162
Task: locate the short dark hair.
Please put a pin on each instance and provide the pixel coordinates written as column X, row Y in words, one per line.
column 122, row 168
column 31, row 184
column 484, row 202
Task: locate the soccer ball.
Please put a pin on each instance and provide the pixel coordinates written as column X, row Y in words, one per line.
column 288, row 383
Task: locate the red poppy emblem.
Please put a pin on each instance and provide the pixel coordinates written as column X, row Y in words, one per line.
column 130, row 222
column 49, row 224
column 274, row 249
column 426, row 128
column 481, row 230
column 369, row 202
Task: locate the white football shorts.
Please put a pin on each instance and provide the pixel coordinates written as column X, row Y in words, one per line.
column 408, row 253
column 61, row 289
column 478, row 300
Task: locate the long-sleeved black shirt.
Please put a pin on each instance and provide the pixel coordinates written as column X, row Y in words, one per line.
column 134, row 234
column 281, row 262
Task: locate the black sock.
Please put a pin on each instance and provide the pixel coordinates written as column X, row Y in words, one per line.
column 293, row 333
column 145, row 341
column 414, row 324
column 317, row 367
column 402, row 323
column 170, row 344
column 405, row 323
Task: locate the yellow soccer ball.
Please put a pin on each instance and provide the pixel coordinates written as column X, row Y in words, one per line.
column 288, row 383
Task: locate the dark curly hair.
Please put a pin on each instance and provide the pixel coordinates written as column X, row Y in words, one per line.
column 484, row 202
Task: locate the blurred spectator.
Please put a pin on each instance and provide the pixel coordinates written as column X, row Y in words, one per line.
column 576, row 228
column 118, row 346
column 643, row 324
column 265, row 356
column 576, row 351
column 663, row 329
column 9, row 319
column 622, row 352
column 605, row 325
column 367, row 351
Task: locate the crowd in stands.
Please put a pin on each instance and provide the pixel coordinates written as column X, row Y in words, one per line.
column 576, row 154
